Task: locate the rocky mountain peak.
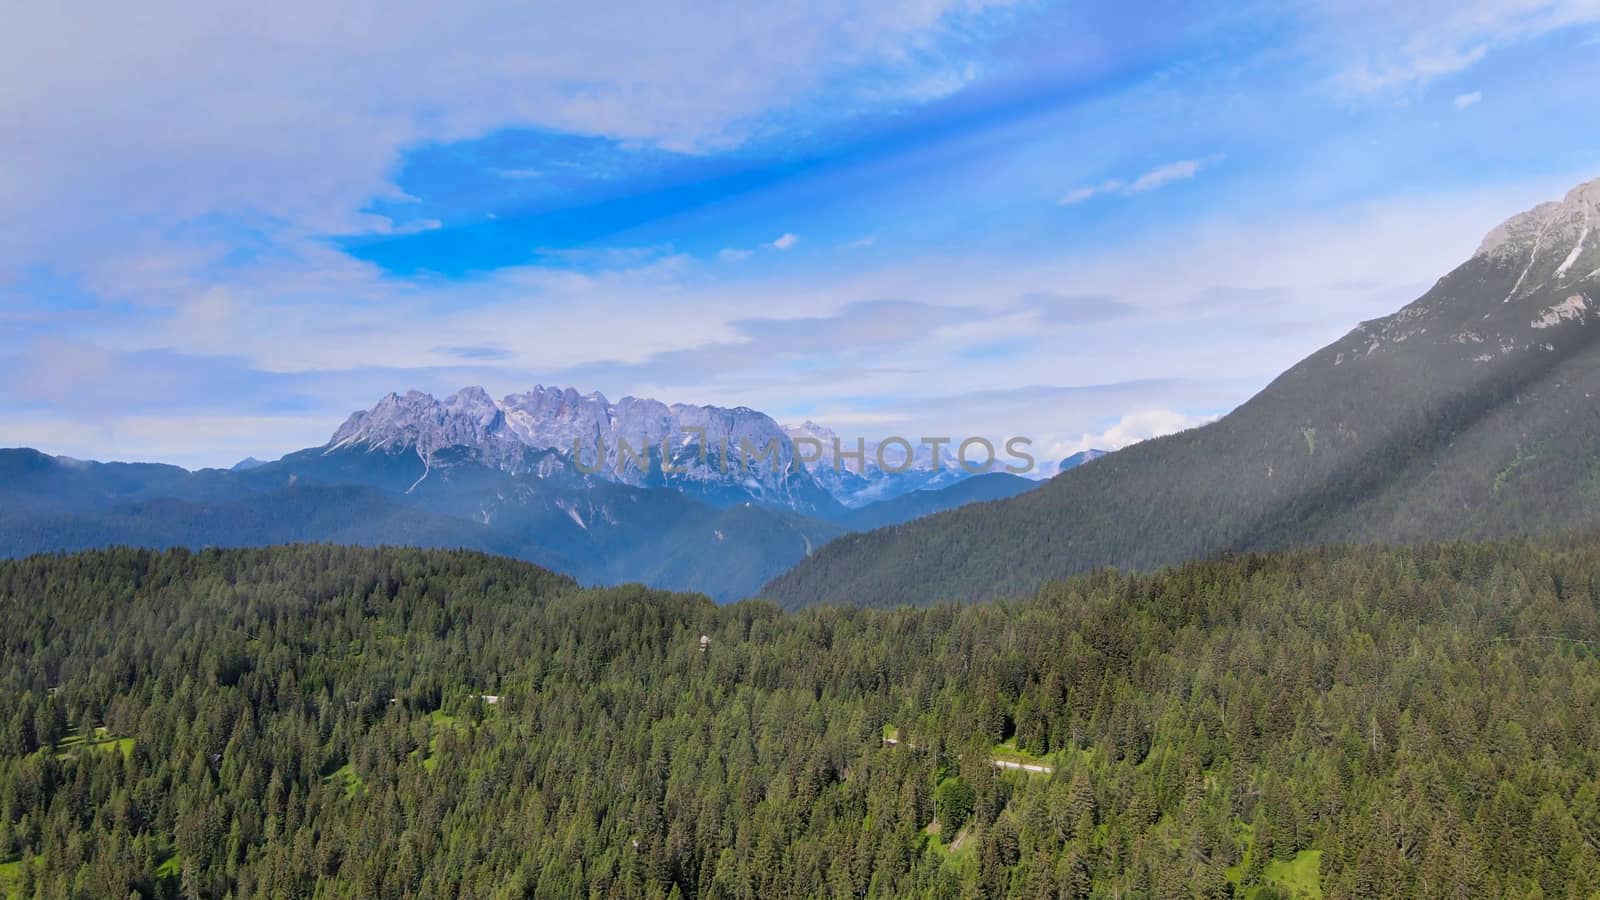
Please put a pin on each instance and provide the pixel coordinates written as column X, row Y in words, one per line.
column 1534, row 275
column 1553, row 241
column 703, row 444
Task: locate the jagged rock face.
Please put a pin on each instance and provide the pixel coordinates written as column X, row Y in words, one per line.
column 725, row 455
column 419, row 423
column 1553, row 243
column 555, row 417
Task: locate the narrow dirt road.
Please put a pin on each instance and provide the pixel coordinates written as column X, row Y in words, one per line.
column 998, row 763
column 1023, row 767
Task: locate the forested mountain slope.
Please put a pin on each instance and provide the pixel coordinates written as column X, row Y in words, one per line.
column 1472, row 412
column 335, row 722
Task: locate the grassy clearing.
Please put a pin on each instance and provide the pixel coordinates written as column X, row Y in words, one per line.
column 11, row 874
column 438, row 720
column 1299, row 877
column 961, row 854
column 171, row 867
column 103, row 740
column 347, row 776
column 1008, row 751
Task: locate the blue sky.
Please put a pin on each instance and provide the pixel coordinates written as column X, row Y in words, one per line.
column 1084, row 223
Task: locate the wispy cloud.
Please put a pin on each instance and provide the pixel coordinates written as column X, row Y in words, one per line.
column 1233, row 299
column 606, row 257
column 1075, row 309
column 785, row 241
column 482, row 353
column 1165, row 175
column 306, row 97
column 1399, row 47
column 417, row 226
column 860, row 336
column 1079, row 195
column 1156, row 178
column 1411, row 69
column 1462, row 101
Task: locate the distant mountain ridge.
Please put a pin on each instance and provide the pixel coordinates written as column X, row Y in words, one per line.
column 1469, row 413
column 916, row 504
column 724, row 456
column 1079, row 458
column 721, row 455
column 858, row 480
column 502, row 477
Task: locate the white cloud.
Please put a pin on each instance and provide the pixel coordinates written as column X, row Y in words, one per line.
column 785, row 241
column 1165, row 175
column 129, row 131
column 1078, row 196
column 1462, row 101
column 1138, row 425
column 385, row 226
column 1159, row 177
column 1412, row 69
column 732, row 254
column 1388, row 47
